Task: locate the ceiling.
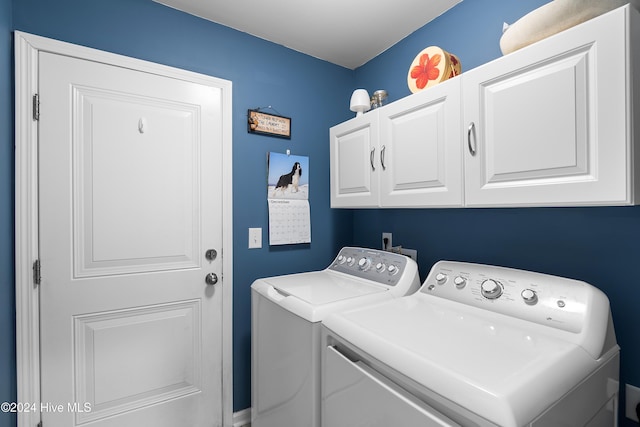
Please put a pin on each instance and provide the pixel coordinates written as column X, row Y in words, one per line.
column 344, row 32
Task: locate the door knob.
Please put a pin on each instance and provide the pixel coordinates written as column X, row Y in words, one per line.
column 211, row 278
column 211, row 254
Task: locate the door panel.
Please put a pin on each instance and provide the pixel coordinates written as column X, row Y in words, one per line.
column 130, row 200
column 107, row 346
column 99, row 194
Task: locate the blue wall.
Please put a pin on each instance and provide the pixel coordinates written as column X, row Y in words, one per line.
column 314, row 93
column 597, row 245
column 7, row 295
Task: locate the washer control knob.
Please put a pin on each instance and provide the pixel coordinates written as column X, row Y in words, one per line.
column 529, row 296
column 491, row 289
column 380, row 267
column 441, row 278
column 364, row 263
column 460, row 282
column 392, row 269
column 341, row 259
column 350, row 261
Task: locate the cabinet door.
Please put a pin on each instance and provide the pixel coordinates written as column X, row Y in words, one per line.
column 420, row 149
column 354, row 174
column 550, row 123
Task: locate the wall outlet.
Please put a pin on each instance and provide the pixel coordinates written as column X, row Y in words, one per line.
column 389, row 242
column 632, row 397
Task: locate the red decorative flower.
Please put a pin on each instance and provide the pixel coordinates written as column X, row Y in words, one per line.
column 427, row 70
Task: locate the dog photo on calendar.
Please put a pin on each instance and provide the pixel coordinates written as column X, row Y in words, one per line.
column 288, row 176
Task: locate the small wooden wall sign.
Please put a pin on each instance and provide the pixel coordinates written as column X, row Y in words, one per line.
column 268, row 124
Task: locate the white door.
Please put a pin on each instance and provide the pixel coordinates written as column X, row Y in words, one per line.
column 130, row 201
column 420, row 152
column 354, row 162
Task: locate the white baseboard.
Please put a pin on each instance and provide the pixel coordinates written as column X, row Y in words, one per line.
column 242, row 418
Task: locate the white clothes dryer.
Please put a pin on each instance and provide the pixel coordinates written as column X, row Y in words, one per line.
column 477, row 345
column 286, row 317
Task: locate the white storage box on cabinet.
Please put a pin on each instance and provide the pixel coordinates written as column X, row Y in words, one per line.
column 552, row 124
column 405, row 154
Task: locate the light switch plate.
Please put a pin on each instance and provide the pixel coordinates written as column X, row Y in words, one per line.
column 255, row 238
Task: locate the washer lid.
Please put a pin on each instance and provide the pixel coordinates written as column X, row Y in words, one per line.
column 505, row 370
column 314, row 295
column 323, row 287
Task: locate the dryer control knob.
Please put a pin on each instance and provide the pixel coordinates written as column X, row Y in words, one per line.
column 392, row 269
column 364, row 264
column 460, row 282
column 441, row 278
column 529, row 296
column 380, row 267
column 491, row 289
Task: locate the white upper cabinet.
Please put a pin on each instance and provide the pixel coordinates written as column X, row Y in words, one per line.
column 354, row 176
column 420, row 149
column 401, row 155
column 552, row 124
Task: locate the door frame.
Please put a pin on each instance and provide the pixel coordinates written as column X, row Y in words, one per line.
column 27, row 48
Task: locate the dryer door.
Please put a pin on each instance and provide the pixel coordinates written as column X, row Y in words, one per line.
column 353, row 394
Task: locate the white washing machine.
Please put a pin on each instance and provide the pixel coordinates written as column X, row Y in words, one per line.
column 286, row 315
column 477, row 345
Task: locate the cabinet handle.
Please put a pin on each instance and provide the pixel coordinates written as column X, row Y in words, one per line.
column 384, row 147
column 373, row 151
column 472, row 148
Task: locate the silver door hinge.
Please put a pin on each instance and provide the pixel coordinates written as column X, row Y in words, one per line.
column 36, row 107
column 36, row 272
